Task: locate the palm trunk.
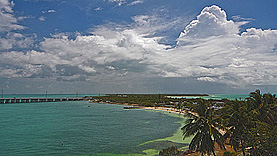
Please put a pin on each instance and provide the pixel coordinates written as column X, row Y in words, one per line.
column 213, row 153
column 242, row 147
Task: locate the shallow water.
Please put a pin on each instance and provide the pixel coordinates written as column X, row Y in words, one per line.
column 73, row 128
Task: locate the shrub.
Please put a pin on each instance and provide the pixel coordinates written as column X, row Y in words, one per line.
column 170, row 151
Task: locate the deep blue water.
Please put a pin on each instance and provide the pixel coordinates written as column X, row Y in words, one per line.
column 73, row 128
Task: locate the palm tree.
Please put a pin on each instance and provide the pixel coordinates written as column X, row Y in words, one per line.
column 263, row 112
column 203, row 124
column 243, row 117
column 238, row 124
column 260, row 106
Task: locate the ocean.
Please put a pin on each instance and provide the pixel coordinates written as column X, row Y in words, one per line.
column 83, row 128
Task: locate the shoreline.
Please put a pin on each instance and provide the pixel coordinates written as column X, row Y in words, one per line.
column 165, row 109
column 176, row 137
column 174, row 111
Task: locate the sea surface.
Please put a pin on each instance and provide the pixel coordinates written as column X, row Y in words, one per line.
column 211, row 96
column 83, row 128
column 216, row 96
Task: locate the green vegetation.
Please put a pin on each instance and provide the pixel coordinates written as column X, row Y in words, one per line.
column 249, row 125
column 203, row 124
column 148, row 100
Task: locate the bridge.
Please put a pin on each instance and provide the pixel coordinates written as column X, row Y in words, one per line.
column 35, row 100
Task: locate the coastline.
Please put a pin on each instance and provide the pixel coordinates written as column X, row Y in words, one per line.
column 170, row 110
column 177, row 136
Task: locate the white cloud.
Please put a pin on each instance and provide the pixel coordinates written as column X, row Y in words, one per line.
column 51, row 11
column 135, row 2
column 12, row 39
column 241, row 20
column 98, row 9
column 119, row 2
column 42, row 18
column 21, row 18
column 211, row 48
column 212, row 21
column 210, row 79
column 9, row 29
column 103, row 54
column 7, row 21
column 48, row 11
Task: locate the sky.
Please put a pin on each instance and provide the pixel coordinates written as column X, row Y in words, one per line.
column 138, row 46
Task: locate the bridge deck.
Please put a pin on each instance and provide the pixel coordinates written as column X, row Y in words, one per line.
column 31, row 100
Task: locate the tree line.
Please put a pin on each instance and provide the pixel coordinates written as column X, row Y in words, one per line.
column 248, row 126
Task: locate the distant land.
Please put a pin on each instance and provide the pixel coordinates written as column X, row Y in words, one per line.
column 164, row 94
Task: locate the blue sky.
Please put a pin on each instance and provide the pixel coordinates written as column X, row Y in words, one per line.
column 82, row 15
column 117, row 46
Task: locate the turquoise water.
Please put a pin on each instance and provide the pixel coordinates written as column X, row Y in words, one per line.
column 82, row 128
column 211, row 96
column 228, row 96
column 217, row 96
column 73, row 128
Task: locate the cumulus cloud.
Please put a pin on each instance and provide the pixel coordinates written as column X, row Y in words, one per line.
column 9, row 29
column 12, row 39
column 7, row 20
column 211, row 48
column 107, row 53
column 212, row 21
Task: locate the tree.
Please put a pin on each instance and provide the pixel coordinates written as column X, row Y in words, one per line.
column 238, row 124
column 263, row 140
column 252, row 123
column 263, row 136
column 204, row 125
column 260, row 106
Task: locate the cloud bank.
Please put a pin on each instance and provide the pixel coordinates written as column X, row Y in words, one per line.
column 211, row 48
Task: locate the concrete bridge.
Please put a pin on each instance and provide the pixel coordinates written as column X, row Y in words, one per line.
column 32, row 100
